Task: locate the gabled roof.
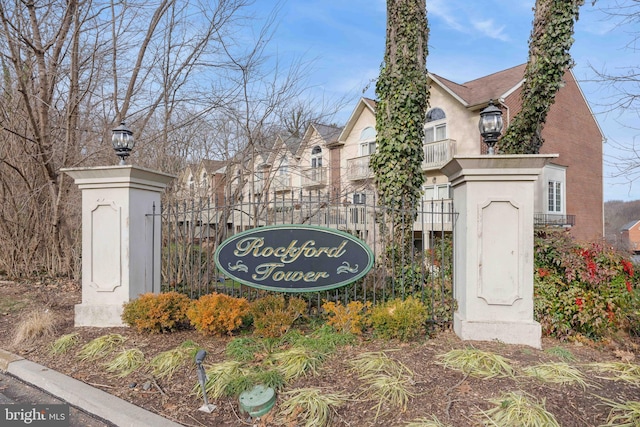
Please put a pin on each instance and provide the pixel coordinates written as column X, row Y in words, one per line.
column 630, row 225
column 328, row 133
column 288, row 142
column 212, row 166
column 479, row 91
column 363, row 103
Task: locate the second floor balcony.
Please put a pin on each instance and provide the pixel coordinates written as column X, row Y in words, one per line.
column 358, row 168
column 314, row 177
column 281, row 183
column 438, row 153
column 553, row 220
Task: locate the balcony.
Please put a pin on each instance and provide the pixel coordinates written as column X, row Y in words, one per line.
column 553, row 220
column 437, row 154
column 314, row 178
column 281, row 183
column 358, row 168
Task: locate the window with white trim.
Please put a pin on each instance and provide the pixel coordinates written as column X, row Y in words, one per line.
column 359, row 198
column 284, row 167
column 367, row 141
column 316, row 157
column 437, row 192
column 555, row 196
column 435, row 128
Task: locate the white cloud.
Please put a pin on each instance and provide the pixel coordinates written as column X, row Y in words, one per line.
column 488, row 28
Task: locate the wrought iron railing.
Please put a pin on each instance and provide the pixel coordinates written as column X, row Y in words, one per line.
column 192, row 231
column 557, row 220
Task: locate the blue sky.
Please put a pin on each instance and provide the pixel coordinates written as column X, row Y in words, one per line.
column 468, row 39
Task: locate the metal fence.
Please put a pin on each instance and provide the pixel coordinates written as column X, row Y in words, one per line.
column 192, row 230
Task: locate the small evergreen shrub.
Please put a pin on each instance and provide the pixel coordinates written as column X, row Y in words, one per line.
column 217, row 314
column 582, row 290
column 273, row 315
column 399, row 319
column 157, row 313
column 349, row 319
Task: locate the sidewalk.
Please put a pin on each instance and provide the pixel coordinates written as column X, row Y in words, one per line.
column 81, row 395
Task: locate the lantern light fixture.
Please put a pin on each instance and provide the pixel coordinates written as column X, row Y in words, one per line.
column 122, row 141
column 490, row 125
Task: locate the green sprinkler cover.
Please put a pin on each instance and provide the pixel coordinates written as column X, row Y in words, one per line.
column 257, row 401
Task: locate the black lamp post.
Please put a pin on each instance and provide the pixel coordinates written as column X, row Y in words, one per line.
column 123, row 142
column 490, row 125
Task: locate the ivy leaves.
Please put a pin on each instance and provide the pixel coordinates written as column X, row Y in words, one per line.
column 549, row 58
column 403, row 94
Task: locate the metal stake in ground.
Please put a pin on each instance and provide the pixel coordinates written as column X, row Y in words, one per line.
column 202, row 377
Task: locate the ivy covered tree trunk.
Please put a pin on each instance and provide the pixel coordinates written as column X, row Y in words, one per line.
column 549, row 58
column 403, row 96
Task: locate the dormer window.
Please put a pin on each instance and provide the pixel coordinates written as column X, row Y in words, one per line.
column 190, row 182
column 203, row 180
column 367, row 141
column 435, row 128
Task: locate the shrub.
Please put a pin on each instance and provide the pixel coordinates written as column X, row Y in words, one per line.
column 583, row 290
column 349, row 319
column 273, row 315
column 217, row 314
column 157, row 312
column 399, row 319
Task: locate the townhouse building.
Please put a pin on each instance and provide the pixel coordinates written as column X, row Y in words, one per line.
column 329, row 165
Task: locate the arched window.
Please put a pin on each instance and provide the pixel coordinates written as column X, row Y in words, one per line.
column 367, row 141
column 203, row 180
column 435, row 128
column 190, row 182
column 316, row 157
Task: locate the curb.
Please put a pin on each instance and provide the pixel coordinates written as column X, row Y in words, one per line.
column 76, row 393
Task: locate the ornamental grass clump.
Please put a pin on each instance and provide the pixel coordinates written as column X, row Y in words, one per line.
column 518, row 409
column 221, row 377
column 100, row 347
column 125, row 362
column 626, row 414
column 218, row 314
column 64, row 343
column 433, row 421
column 296, row 362
column 157, row 313
column 388, row 381
column 165, row 364
column 619, row 371
column 244, row 349
column 556, row 373
column 36, row 324
column 477, row 363
column 309, row 407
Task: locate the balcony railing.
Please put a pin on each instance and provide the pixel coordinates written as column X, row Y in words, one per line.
column 554, row 220
column 314, row 177
column 358, row 168
column 281, row 183
column 437, row 154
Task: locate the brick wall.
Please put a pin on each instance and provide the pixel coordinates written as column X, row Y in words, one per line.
column 572, row 132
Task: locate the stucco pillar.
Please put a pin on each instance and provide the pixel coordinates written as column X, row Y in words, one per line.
column 120, row 239
column 493, row 246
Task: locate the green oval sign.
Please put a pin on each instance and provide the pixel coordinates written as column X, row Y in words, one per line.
column 294, row 258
